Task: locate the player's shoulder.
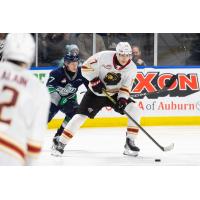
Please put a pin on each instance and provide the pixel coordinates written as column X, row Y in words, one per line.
column 57, row 71
column 107, row 53
column 18, row 71
column 34, row 86
column 101, row 56
column 130, row 69
column 41, row 92
column 131, row 66
column 8, row 66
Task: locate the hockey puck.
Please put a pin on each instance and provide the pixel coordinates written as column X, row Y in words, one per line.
column 157, row 160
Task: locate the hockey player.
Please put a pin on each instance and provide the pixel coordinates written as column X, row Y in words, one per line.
column 24, row 103
column 115, row 72
column 63, row 84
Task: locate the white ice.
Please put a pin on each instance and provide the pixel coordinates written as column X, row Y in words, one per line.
column 104, row 147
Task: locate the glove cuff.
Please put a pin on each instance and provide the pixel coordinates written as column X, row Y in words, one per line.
column 123, row 100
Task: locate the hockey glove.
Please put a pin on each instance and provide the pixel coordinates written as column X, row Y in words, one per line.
column 120, row 105
column 97, row 85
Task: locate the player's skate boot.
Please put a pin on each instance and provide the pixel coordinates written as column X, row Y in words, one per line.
column 57, row 147
column 55, row 141
column 130, row 148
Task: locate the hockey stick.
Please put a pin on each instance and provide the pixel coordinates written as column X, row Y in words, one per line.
column 164, row 89
column 167, row 148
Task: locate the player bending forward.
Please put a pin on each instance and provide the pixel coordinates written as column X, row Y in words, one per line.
column 115, row 72
column 63, row 84
column 24, row 103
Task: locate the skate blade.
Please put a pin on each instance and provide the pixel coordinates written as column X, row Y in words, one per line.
column 56, row 153
column 128, row 152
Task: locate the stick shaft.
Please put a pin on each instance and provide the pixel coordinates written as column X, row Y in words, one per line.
column 131, row 118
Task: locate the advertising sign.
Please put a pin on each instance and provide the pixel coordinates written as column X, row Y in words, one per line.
column 181, row 99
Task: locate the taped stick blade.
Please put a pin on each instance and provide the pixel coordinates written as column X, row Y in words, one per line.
column 169, row 148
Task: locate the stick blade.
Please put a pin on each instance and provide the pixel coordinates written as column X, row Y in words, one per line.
column 169, row 148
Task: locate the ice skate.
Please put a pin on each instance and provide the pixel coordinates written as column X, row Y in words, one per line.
column 130, row 148
column 57, row 148
column 55, row 140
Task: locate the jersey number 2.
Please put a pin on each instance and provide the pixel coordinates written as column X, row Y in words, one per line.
column 7, row 102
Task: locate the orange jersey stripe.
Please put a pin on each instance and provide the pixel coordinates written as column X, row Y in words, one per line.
column 95, row 61
column 84, row 67
column 124, row 90
column 13, row 147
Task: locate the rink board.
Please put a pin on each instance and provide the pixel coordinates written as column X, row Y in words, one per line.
column 122, row 121
column 179, row 106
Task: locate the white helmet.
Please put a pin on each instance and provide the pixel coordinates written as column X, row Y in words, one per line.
column 19, row 47
column 123, row 48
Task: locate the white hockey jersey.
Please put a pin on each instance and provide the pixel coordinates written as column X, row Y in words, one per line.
column 117, row 79
column 24, row 107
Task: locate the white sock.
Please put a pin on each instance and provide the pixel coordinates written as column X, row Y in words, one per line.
column 73, row 125
column 135, row 112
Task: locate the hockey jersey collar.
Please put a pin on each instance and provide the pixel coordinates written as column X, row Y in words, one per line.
column 72, row 77
column 117, row 65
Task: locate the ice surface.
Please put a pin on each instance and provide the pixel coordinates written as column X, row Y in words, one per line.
column 104, row 147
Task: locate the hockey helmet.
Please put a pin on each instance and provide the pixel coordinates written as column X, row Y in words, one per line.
column 123, row 48
column 19, row 47
column 72, row 54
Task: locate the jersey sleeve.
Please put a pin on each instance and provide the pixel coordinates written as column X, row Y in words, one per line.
column 38, row 126
column 52, row 81
column 127, row 84
column 90, row 68
column 52, row 85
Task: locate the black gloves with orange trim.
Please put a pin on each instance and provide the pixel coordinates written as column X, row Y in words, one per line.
column 121, row 105
column 97, row 85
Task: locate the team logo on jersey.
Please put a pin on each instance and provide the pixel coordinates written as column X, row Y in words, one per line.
column 107, row 66
column 68, row 89
column 112, row 78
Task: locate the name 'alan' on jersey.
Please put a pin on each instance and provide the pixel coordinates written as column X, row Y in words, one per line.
column 116, row 78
